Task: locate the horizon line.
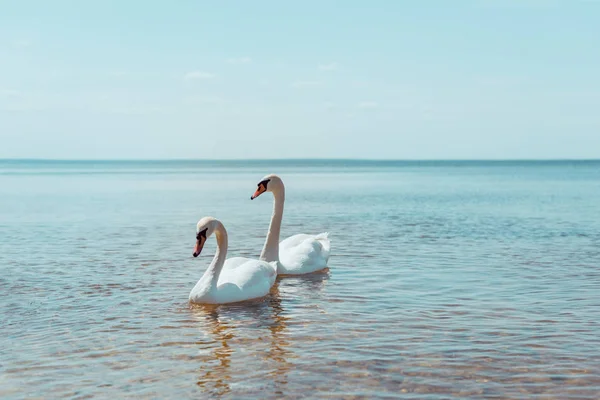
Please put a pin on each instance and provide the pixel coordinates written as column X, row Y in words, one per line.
column 295, row 159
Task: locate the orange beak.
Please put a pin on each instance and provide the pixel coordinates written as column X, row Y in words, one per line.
column 261, row 189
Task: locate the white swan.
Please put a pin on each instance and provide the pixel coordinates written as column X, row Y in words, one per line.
column 298, row 254
column 232, row 280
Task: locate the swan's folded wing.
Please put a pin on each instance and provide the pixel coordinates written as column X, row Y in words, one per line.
column 234, row 263
column 293, row 241
column 247, row 272
column 304, row 253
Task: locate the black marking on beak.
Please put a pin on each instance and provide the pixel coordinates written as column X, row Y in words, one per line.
column 201, row 234
column 200, row 240
column 261, row 188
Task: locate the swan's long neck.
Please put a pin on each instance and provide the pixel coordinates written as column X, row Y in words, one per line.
column 214, row 269
column 270, row 251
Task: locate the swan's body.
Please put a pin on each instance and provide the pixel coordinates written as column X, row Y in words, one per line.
column 233, row 280
column 297, row 254
column 303, row 254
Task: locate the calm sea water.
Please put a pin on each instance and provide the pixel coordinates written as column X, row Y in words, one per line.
column 447, row 280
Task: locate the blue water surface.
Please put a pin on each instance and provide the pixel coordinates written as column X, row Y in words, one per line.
column 447, row 279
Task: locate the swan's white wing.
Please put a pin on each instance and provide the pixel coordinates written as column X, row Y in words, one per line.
column 233, row 263
column 244, row 278
column 303, row 254
column 242, row 271
column 294, row 241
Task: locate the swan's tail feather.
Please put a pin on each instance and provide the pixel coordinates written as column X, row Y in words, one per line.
column 323, row 238
column 274, row 265
column 324, row 235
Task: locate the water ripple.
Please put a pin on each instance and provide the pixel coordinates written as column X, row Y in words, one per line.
column 443, row 283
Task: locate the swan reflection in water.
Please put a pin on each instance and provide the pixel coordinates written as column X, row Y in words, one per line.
column 241, row 328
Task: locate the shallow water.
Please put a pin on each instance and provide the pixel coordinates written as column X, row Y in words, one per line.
column 447, row 280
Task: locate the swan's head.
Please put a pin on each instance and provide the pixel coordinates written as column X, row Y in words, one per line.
column 204, row 228
column 269, row 183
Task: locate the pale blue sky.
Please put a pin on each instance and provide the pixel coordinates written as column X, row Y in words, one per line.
column 305, row 79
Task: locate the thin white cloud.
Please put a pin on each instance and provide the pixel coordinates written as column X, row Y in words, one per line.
column 10, row 93
column 199, row 75
column 301, row 84
column 368, row 104
column 518, row 4
column 332, row 66
column 133, row 110
column 22, row 43
column 359, row 84
column 117, row 73
column 199, row 100
column 239, row 60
